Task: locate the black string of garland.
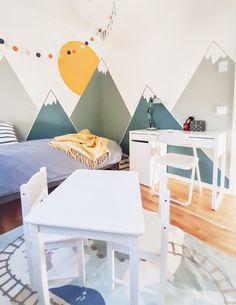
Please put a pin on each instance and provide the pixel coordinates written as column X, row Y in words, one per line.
column 100, row 32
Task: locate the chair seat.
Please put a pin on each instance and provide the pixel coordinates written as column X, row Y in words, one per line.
column 178, row 161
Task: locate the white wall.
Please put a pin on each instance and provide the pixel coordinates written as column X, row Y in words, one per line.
column 161, row 43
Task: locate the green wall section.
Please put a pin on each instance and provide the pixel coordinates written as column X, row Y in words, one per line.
column 163, row 119
column 101, row 108
column 115, row 115
column 51, row 121
column 88, row 111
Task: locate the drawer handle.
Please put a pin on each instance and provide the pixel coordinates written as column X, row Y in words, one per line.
column 139, row 141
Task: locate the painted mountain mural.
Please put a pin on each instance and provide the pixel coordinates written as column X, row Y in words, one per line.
column 163, row 119
column 15, row 100
column 101, row 108
column 211, row 85
column 51, row 121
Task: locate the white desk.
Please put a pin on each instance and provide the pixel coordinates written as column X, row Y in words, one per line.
column 143, row 150
column 103, row 205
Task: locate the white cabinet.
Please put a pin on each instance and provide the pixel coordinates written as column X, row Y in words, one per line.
column 142, row 154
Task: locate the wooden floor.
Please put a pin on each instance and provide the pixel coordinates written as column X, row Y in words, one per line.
column 10, row 216
column 218, row 229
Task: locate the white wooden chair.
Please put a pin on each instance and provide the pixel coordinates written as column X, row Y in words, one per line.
column 155, row 244
column 177, row 160
column 32, row 194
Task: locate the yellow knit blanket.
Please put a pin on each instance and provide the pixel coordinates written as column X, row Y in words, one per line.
column 85, row 146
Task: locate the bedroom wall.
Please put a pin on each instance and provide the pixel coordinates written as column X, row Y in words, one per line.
column 164, row 48
column 156, row 43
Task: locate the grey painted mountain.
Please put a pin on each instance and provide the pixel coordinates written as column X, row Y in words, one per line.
column 16, row 105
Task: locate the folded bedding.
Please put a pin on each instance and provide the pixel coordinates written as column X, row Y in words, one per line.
column 18, row 162
column 90, row 149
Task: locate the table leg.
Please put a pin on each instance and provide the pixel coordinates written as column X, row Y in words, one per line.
column 110, row 266
column 80, row 252
column 134, row 271
column 40, row 272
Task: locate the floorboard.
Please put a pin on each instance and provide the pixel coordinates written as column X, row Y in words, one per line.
column 216, row 228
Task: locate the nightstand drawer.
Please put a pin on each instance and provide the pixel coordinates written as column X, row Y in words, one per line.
column 142, row 137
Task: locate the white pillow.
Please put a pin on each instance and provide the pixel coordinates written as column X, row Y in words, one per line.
column 7, row 133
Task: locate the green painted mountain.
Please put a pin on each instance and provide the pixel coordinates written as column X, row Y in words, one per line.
column 101, row 108
column 51, row 121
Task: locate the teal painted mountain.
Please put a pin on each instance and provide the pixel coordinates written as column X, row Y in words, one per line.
column 101, row 108
column 163, row 119
column 51, row 121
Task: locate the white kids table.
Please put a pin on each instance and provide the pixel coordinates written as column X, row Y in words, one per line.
column 102, row 205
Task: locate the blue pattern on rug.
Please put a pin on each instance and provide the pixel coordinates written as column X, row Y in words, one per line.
column 75, row 294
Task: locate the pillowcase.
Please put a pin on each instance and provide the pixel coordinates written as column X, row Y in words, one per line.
column 7, row 133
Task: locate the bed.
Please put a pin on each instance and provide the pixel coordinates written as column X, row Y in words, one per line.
column 19, row 161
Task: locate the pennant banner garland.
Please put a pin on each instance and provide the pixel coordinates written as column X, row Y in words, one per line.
column 102, row 33
column 37, row 54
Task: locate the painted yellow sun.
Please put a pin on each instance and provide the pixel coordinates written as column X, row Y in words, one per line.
column 77, row 63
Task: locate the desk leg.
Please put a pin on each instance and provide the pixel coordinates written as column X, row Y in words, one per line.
column 134, row 271
column 222, row 178
column 214, row 178
column 40, row 272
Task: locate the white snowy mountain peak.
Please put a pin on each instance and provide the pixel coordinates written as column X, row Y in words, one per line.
column 51, row 98
column 215, row 53
column 102, row 67
column 147, row 94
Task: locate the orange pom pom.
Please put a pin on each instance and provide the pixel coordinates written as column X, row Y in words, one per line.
column 15, row 48
column 50, row 56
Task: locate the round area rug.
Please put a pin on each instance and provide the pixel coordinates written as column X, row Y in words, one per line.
column 205, row 276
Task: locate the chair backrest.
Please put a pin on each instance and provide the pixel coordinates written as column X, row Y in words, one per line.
column 176, row 138
column 34, row 191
